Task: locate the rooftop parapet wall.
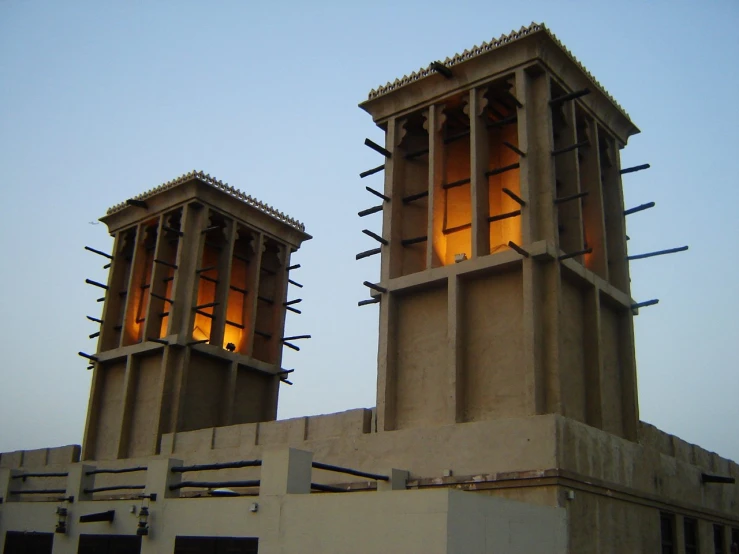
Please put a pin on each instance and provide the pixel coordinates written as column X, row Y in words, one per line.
column 42, row 458
column 649, row 467
column 346, row 439
column 554, row 446
column 671, row 445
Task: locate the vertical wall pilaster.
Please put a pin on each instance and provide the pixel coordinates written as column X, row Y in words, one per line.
column 618, row 266
column 593, row 216
column 479, row 156
column 227, row 417
column 281, row 285
column 391, row 258
column 127, row 399
column 178, row 407
column 225, row 259
column 705, row 536
column 252, row 302
column 186, row 280
column 629, row 394
column 114, row 302
column 455, row 318
column 549, row 296
column 680, row 534
column 526, row 169
column 93, row 413
column 567, row 183
column 541, row 279
column 392, row 254
column 436, row 198
column 156, row 306
column 533, row 351
column 387, row 364
column 619, row 273
column 593, row 359
column 278, row 325
column 537, row 169
column 170, row 357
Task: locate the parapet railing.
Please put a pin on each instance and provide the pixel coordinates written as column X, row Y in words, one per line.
column 215, row 467
column 347, row 471
column 25, row 476
column 115, row 487
column 297, row 476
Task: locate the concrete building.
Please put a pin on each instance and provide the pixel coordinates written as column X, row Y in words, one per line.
column 507, row 418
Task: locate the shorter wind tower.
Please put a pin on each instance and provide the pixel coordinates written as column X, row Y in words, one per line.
column 504, row 288
column 192, row 328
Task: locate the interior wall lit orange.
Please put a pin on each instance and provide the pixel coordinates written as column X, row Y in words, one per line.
column 458, row 203
column 138, row 296
column 167, row 294
column 236, row 308
column 206, row 294
column 505, row 230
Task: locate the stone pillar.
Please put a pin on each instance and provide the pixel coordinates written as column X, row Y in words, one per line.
column 398, row 481
column 679, row 534
column 286, row 471
column 705, row 536
column 78, row 481
column 159, row 477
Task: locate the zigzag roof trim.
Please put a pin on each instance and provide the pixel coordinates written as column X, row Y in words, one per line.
column 220, row 185
column 487, row 47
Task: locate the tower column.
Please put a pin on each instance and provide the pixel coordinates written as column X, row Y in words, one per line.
column 168, row 273
column 541, row 279
column 479, row 186
column 386, row 356
column 225, row 259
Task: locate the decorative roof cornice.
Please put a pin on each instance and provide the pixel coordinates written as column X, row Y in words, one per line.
column 487, row 47
column 220, row 185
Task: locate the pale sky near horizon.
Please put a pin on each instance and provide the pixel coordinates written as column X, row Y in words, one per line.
column 100, row 101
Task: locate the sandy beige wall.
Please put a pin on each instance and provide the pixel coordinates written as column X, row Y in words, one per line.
column 492, row 346
column 640, row 467
column 421, row 365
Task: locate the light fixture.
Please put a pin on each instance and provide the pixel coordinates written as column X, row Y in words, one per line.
column 61, row 524
column 143, row 528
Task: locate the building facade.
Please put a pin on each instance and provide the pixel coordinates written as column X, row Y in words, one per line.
column 507, row 416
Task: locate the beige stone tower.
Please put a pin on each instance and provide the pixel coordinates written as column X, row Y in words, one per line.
column 192, row 327
column 505, row 281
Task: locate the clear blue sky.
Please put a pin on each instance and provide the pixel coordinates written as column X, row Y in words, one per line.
column 102, row 100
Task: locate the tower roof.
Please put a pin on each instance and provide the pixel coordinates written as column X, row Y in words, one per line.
column 484, row 48
column 380, row 107
column 219, row 185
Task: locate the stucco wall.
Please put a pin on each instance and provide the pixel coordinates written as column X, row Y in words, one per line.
column 428, row 522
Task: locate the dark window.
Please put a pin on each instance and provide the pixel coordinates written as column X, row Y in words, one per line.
column 718, row 538
column 667, row 524
column 735, row 540
column 690, row 527
column 17, row 542
column 215, row 545
column 109, row 544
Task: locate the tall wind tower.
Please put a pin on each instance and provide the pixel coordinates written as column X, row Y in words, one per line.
column 504, row 288
column 192, row 328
